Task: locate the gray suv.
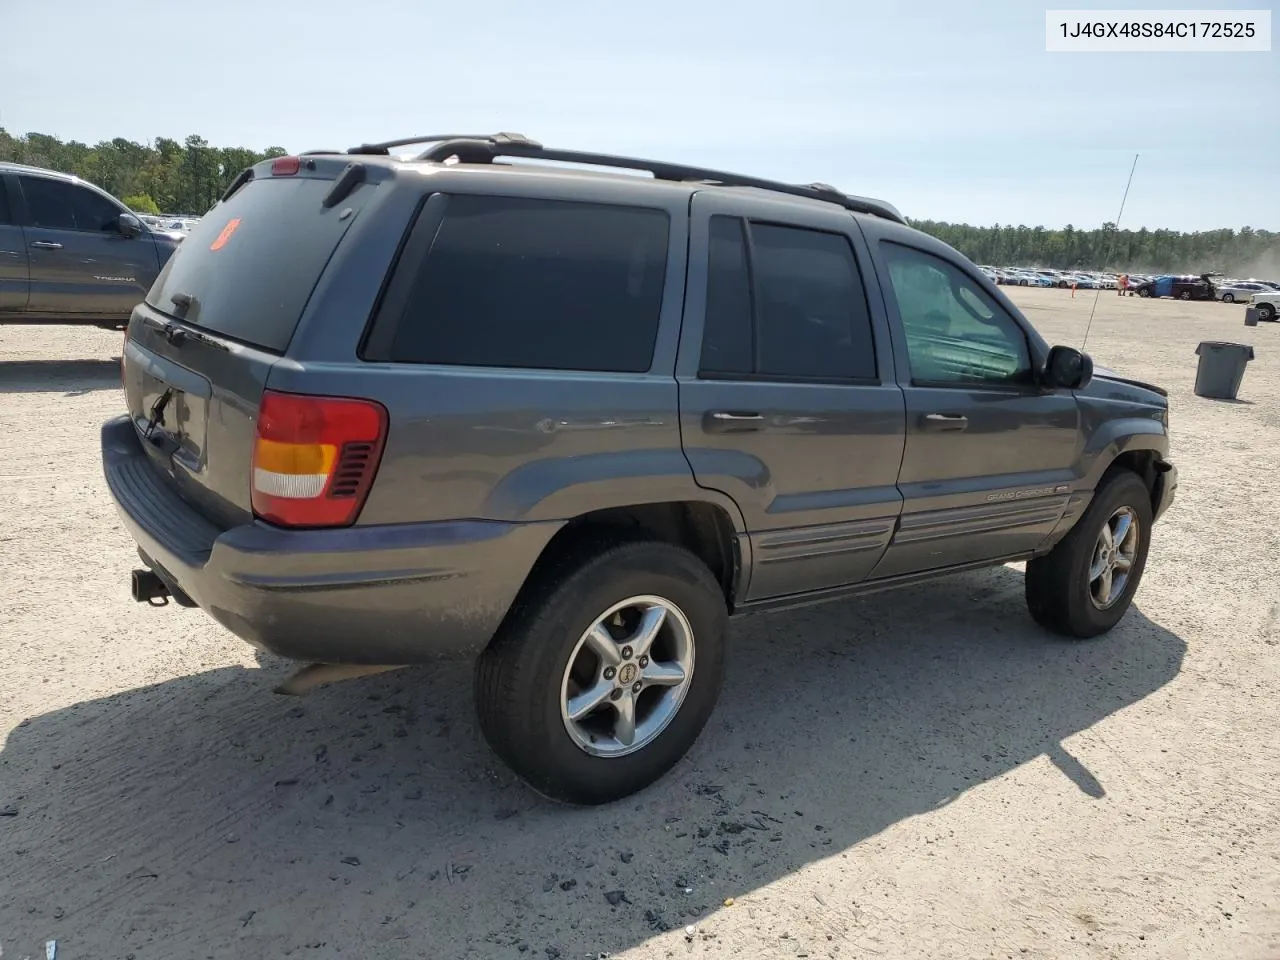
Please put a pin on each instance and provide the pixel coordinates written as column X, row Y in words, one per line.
column 383, row 411
column 71, row 253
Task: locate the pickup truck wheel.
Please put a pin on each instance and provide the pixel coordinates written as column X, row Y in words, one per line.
column 601, row 680
column 1085, row 584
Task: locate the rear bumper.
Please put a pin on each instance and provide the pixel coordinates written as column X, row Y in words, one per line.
column 404, row 593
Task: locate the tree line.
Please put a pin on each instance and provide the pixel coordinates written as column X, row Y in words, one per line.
column 1243, row 252
column 188, row 177
column 161, row 177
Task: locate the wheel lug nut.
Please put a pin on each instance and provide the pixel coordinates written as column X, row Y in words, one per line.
column 609, row 673
column 615, row 695
column 635, row 687
column 644, row 662
column 626, row 653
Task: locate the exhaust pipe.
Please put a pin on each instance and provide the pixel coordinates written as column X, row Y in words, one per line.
column 146, row 587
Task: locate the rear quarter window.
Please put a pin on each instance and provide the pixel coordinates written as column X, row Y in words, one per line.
column 531, row 283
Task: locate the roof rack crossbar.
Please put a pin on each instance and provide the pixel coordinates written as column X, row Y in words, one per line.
column 487, row 149
column 385, row 146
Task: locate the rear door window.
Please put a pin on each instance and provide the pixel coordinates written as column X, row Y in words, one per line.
column 249, row 265
column 797, row 311
column 542, row 284
column 814, row 320
column 728, row 334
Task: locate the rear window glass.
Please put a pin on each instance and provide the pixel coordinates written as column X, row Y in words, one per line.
column 250, row 264
column 513, row 282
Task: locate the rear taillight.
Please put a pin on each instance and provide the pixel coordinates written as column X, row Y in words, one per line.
column 285, row 166
column 314, row 458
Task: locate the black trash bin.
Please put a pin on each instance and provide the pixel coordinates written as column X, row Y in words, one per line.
column 1221, row 368
column 1251, row 316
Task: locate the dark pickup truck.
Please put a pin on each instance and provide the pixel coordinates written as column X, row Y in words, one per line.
column 384, row 411
column 71, row 253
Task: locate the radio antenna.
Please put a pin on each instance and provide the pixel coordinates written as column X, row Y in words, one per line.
column 1110, row 247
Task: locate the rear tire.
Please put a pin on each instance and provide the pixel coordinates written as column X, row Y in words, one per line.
column 1185, row 295
column 1228, row 298
column 1266, row 312
column 532, row 677
column 1061, row 592
column 1144, row 293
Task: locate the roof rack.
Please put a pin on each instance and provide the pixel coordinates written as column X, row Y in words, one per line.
column 384, row 148
column 486, row 148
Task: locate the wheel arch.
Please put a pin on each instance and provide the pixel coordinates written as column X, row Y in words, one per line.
column 711, row 530
column 1142, row 453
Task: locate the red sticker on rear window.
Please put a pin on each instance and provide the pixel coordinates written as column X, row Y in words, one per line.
column 225, row 235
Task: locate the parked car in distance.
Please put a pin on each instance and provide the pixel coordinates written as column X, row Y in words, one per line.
column 373, row 418
column 1231, row 291
column 70, row 252
column 1026, row 278
column 1081, row 281
column 1267, row 303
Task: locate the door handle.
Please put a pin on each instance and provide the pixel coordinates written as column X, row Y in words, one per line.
column 941, row 422
column 727, row 421
column 45, row 245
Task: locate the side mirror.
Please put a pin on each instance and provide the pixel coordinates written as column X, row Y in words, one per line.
column 130, row 226
column 1067, row 369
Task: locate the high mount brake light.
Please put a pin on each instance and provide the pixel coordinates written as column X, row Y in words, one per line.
column 314, row 458
column 285, row 166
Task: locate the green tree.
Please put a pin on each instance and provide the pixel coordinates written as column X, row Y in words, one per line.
column 141, row 203
column 1245, row 252
column 168, row 176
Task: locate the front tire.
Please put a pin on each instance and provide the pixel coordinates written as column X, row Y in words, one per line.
column 1228, row 298
column 605, row 672
column 1266, row 312
column 1086, row 583
column 1144, row 293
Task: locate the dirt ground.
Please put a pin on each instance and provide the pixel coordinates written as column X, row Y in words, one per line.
column 920, row 774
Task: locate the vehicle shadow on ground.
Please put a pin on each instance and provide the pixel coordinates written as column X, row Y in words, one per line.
column 71, row 378
column 205, row 816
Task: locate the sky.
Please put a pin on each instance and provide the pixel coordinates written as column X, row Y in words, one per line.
column 951, row 111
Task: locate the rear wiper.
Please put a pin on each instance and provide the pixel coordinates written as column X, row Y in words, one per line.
column 204, row 338
column 176, row 335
